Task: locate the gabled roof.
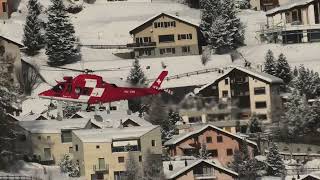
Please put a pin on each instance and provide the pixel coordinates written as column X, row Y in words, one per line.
column 178, row 138
column 179, row 167
column 112, row 119
column 310, row 176
column 12, row 41
column 259, row 75
column 31, row 117
column 289, row 5
column 54, row 126
column 110, row 134
column 164, row 14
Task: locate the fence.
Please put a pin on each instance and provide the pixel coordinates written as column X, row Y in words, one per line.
column 13, row 177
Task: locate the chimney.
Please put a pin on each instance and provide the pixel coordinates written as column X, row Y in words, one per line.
column 170, row 167
column 185, row 163
column 121, row 125
column 98, row 118
column 128, row 112
column 177, row 14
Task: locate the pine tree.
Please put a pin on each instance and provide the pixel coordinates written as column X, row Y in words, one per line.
column 270, row 64
column 8, row 129
column 136, row 75
column 152, row 167
column 203, row 152
column 158, row 115
column 33, row 38
column 307, row 82
column 274, row 161
column 133, row 169
column 60, row 38
column 174, row 117
column 283, row 70
column 235, row 26
column 210, row 9
column 254, row 124
column 220, row 25
column 240, row 158
column 295, row 71
column 69, row 167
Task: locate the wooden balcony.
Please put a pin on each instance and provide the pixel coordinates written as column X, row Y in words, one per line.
column 101, row 168
column 142, row 45
column 205, row 176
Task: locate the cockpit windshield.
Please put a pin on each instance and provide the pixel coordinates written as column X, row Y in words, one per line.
column 58, row 88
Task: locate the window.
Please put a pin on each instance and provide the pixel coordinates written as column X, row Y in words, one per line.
column 155, row 25
column 309, row 149
column 209, row 139
column 153, row 143
column 76, row 147
column 70, row 149
column 145, row 52
column 261, row 104
column 39, row 137
column 121, row 159
column 213, row 152
column 140, row 158
column 185, row 49
column 162, row 51
column 166, row 38
column 113, row 108
column 119, row 175
column 173, row 23
column 165, row 24
column 66, row 136
column 219, row 139
column 262, row 116
column 48, row 138
column 195, row 119
column 226, row 81
column 4, row 7
column 225, row 93
column 229, row 152
column 97, row 147
column 184, row 36
column 168, row 51
column 259, row 90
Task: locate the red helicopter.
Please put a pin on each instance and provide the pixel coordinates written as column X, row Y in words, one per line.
column 91, row 89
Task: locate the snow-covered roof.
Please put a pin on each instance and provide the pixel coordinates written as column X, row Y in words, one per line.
column 54, row 126
column 110, row 134
column 112, row 119
column 12, row 41
column 31, row 117
column 178, row 138
column 261, row 75
column 224, row 123
column 289, row 5
column 179, row 167
column 165, row 14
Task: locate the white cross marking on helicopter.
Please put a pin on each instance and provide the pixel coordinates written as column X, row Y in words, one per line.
column 158, row 81
column 96, row 92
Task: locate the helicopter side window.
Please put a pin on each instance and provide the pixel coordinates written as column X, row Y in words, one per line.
column 113, row 85
column 58, row 88
column 78, row 90
column 86, row 91
column 69, row 88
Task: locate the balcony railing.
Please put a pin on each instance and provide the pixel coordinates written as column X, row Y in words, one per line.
column 140, row 45
column 101, row 168
column 204, row 176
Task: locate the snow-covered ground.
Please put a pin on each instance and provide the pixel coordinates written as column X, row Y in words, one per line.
column 36, row 170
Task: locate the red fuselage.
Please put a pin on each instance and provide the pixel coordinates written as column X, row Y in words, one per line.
column 91, row 89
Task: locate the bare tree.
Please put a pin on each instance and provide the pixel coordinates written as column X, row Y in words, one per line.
column 28, row 78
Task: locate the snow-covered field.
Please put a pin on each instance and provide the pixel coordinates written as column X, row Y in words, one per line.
column 36, row 170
